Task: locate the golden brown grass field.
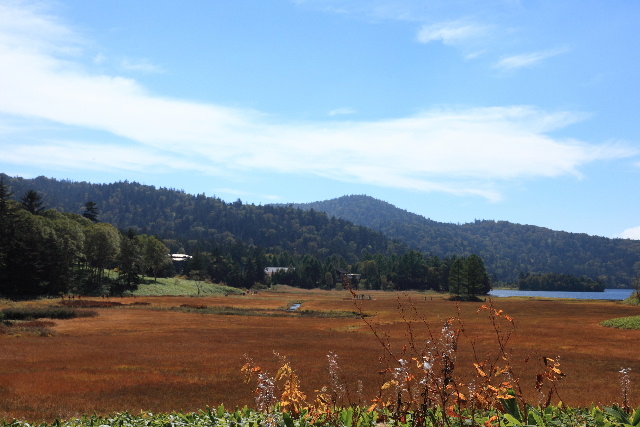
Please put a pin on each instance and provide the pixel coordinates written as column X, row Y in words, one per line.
column 151, row 358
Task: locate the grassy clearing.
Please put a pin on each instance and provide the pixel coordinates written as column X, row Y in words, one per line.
column 632, row 322
column 181, row 287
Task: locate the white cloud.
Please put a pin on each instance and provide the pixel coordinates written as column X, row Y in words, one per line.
column 99, row 59
column 143, row 65
column 459, row 151
column 528, row 59
column 30, row 26
column 452, row 32
column 342, row 111
column 404, row 10
column 74, row 155
column 631, row 233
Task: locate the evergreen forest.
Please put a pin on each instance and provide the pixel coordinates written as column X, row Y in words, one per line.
column 61, row 237
column 49, row 224
column 509, row 250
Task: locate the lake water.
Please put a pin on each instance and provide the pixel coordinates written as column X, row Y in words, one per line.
column 610, row 294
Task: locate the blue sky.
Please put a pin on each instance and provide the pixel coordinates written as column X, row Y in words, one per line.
column 525, row 111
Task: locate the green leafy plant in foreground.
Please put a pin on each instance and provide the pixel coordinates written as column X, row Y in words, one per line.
column 347, row 417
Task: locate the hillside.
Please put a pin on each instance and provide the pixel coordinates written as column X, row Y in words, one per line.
column 199, row 223
column 507, row 248
column 353, row 227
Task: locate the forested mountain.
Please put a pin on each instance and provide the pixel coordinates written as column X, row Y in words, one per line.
column 508, row 249
column 199, row 223
column 235, row 236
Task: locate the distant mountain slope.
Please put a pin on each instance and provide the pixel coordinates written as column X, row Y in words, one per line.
column 507, row 248
column 197, row 222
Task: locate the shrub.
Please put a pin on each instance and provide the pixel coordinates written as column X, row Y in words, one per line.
column 86, row 303
column 30, row 313
column 38, row 328
column 194, row 306
column 634, row 299
column 332, row 314
column 632, row 322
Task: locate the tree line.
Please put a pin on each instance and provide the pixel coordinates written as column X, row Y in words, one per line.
column 46, row 252
column 413, row 270
column 558, row 282
column 230, row 243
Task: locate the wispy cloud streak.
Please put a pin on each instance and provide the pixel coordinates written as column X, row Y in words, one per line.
column 527, row 59
column 452, row 32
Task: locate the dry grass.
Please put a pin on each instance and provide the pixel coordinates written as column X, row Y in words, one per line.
column 138, row 358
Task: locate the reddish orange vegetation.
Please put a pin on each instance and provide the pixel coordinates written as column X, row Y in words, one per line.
column 138, row 358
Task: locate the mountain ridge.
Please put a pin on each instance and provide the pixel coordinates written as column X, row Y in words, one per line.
column 530, row 249
column 197, row 222
column 349, row 226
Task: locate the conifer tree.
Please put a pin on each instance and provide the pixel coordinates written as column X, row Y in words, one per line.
column 476, row 276
column 32, row 202
column 6, row 227
column 91, row 211
column 457, row 277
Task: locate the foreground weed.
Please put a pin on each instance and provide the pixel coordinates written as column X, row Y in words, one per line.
column 423, row 387
column 625, row 382
column 292, row 400
column 265, row 391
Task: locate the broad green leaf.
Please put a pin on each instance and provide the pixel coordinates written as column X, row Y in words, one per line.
column 619, row 414
column 221, row 410
column 288, row 420
column 513, row 421
column 636, row 418
column 512, row 408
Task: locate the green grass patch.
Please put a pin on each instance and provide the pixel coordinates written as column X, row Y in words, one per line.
column 242, row 311
column 632, row 300
column 176, row 286
column 632, row 322
column 333, row 314
column 226, row 310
